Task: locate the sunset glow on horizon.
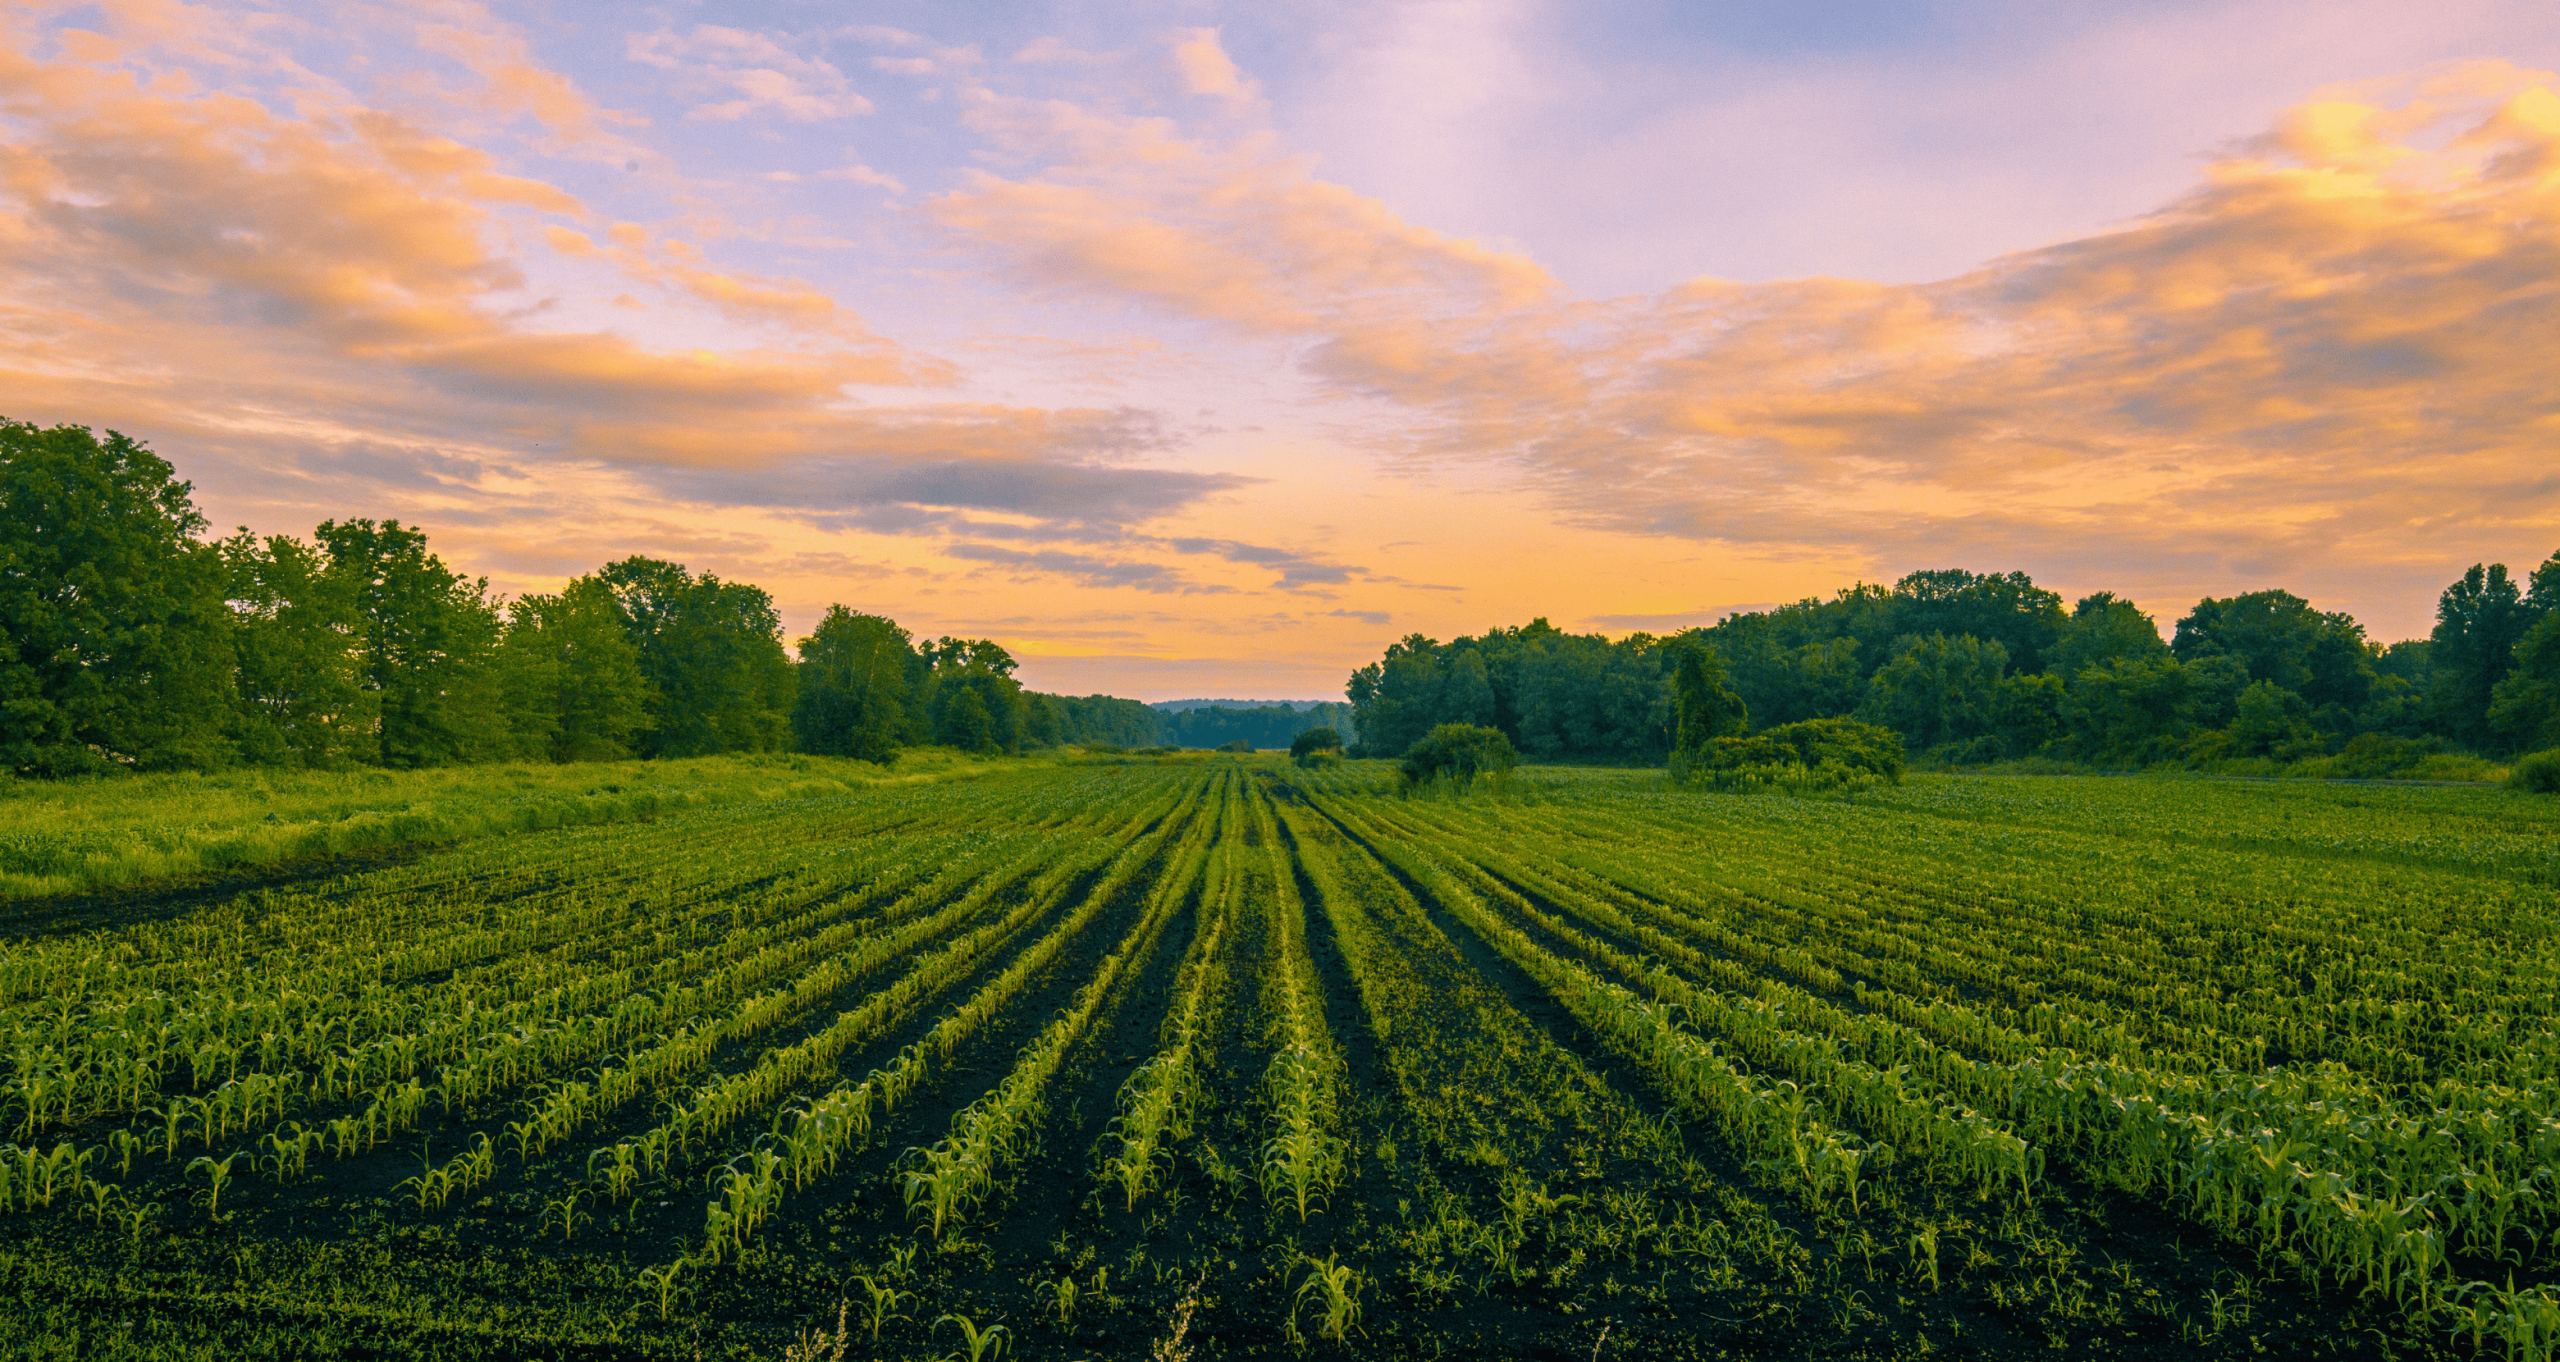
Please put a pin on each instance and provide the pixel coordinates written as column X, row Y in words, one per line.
column 1203, row 353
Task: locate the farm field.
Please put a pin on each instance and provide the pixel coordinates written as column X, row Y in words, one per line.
column 1218, row 1057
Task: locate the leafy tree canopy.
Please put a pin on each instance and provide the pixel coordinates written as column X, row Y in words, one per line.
column 115, row 646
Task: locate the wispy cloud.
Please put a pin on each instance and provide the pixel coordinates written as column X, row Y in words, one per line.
column 758, row 72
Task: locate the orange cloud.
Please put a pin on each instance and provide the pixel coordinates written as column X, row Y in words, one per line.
column 2339, row 347
column 513, row 82
column 206, row 244
column 1243, row 233
column 1206, row 69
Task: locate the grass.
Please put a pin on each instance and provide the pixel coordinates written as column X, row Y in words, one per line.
column 2389, row 761
column 106, row 832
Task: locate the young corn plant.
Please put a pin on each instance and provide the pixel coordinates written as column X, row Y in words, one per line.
column 565, row 1212
column 666, row 1284
column 983, row 1345
column 880, row 1305
column 1924, row 1251
column 1336, row 1289
column 217, row 1176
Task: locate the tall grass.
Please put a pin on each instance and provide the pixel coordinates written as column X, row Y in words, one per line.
column 71, row 836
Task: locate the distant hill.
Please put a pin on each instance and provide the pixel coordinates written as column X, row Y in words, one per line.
column 1177, row 706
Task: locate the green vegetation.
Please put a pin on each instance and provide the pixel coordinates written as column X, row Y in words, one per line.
column 1459, row 752
column 1972, row 669
column 1805, row 757
column 81, row 835
column 1107, row 1052
column 1316, row 747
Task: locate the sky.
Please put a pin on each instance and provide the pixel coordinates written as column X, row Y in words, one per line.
column 1194, row 349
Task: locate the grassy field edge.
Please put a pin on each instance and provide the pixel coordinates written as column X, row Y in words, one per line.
column 82, row 836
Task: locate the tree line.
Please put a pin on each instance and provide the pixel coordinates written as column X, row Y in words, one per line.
column 1974, row 667
column 129, row 640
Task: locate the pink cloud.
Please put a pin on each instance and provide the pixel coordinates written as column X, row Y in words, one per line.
column 2335, row 349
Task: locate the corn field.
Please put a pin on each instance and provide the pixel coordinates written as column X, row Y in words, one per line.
column 1216, row 1054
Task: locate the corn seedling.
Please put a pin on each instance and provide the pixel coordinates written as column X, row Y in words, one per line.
column 665, row 1284
column 217, row 1174
column 563, row 1211
column 1336, row 1288
column 982, row 1345
column 880, row 1305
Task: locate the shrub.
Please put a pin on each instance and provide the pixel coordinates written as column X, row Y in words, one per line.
column 1239, row 745
column 1312, row 741
column 2376, row 756
column 1460, row 751
column 2537, row 774
column 1814, row 755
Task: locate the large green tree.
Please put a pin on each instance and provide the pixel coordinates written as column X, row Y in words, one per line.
column 1708, row 708
column 2524, row 707
column 1393, row 696
column 2318, row 655
column 302, row 679
column 2479, row 621
column 853, row 700
column 427, row 639
column 1938, row 689
column 712, row 651
column 2131, row 710
column 575, row 689
column 2104, row 628
column 115, row 643
column 1465, row 691
column 971, row 697
column 2006, row 608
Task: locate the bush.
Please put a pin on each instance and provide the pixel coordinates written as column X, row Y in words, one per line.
column 1811, row 756
column 1312, row 741
column 2379, row 756
column 1239, row 745
column 1460, row 751
column 2537, row 774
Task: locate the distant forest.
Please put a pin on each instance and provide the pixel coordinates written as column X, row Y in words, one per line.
column 1129, row 723
column 129, row 641
column 1974, row 667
